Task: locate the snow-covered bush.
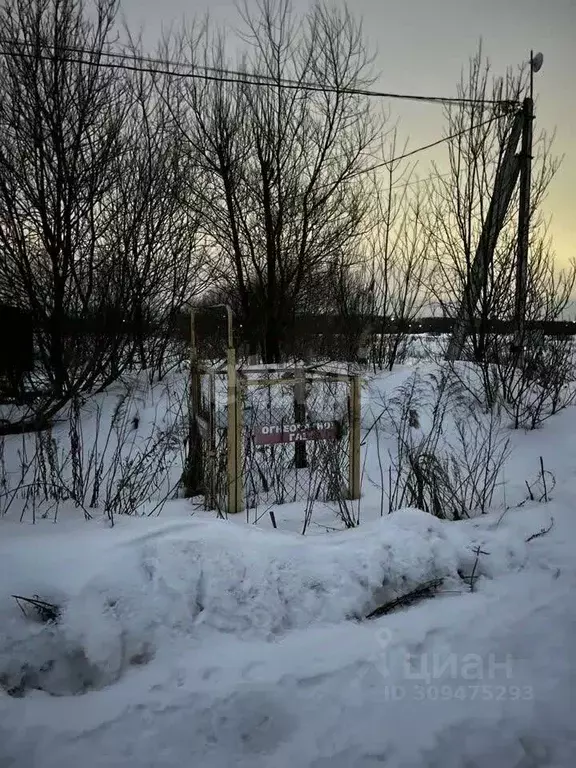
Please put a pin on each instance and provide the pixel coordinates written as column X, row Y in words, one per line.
column 527, row 388
column 118, row 453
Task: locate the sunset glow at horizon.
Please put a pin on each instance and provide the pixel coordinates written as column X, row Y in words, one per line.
column 423, row 46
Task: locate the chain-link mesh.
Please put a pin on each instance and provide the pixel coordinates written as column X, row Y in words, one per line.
column 295, row 441
column 213, row 430
column 279, row 468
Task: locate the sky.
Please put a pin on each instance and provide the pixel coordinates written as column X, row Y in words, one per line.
column 421, row 47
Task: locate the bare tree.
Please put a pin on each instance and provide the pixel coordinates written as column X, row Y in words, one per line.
column 283, row 196
column 399, row 264
column 61, row 138
column 99, row 229
column 460, row 202
column 156, row 231
column 534, row 381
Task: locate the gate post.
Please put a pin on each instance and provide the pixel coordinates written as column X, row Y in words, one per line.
column 210, row 459
column 192, row 478
column 354, row 458
column 300, row 459
column 234, row 437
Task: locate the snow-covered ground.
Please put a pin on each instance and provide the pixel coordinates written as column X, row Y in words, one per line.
column 184, row 640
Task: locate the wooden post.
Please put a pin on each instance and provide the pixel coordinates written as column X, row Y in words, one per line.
column 523, row 227
column 192, row 478
column 234, row 473
column 300, row 458
column 363, row 352
column 210, row 462
column 504, row 186
column 239, row 491
column 354, row 417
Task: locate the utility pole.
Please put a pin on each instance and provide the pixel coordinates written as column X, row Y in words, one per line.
column 504, row 186
column 524, row 211
column 513, row 166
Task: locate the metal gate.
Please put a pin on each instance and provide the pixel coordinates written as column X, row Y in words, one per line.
column 265, row 436
column 212, row 428
column 299, row 437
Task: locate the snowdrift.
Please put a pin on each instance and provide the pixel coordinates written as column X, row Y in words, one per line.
column 251, row 660
column 124, row 593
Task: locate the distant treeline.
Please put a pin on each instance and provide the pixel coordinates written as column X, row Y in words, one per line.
column 211, row 325
column 18, row 329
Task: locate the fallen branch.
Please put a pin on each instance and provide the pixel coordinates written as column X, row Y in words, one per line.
column 421, row 592
column 541, row 532
column 45, row 612
column 470, row 579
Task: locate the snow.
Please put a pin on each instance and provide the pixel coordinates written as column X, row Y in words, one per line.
column 187, row 640
column 156, row 580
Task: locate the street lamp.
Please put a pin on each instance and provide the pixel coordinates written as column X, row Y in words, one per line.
column 536, row 62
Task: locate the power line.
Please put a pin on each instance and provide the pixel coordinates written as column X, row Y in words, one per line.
column 421, row 181
column 231, row 76
column 214, row 74
column 424, row 147
column 150, row 60
column 415, row 151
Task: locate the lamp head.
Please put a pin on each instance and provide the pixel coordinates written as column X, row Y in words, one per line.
column 537, row 62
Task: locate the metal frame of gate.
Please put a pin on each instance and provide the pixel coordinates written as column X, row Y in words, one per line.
column 208, row 455
column 224, row 441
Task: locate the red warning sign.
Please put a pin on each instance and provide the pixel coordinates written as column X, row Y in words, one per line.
column 272, row 434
